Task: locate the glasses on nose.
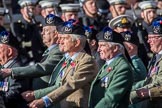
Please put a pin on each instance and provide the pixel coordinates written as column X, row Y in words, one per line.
column 154, row 38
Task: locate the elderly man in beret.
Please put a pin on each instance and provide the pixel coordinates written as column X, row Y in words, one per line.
column 111, row 87
column 122, row 24
column 150, row 88
column 11, row 89
column 75, row 74
column 50, row 57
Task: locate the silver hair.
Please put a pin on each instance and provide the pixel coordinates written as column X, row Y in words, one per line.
column 121, row 47
column 80, row 37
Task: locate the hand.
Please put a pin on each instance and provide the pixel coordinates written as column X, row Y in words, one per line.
column 28, row 96
column 143, row 92
column 5, row 72
column 37, row 104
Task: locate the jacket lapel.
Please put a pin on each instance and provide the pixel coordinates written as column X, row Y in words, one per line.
column 56, row 71
column 70, row 68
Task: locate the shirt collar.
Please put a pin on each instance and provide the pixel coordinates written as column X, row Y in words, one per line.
column 75, row 55
column 52, row 46
column 8, row 63
column 160, row 52
column 112, row 59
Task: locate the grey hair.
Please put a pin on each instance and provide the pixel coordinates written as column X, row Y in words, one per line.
column 80, row 37
column 121, row 47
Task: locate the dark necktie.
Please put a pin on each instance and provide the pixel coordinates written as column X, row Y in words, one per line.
column 45, row 52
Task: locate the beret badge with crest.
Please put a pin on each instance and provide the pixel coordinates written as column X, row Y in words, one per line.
column 157, row 25
column 107, row 33
column 4, row 37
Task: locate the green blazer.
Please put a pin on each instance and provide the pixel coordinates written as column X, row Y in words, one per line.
column 140, row 71
column 150, row 83
column 73, row 89
column 113, row 92
column 40, row 69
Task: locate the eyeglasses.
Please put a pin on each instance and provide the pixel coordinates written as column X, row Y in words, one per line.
column 154, row 37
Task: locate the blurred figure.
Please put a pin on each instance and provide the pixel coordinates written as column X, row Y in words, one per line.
column 11, row 89
column 90, row 16
column 69, row 11
column 27, row 32
column 103, row 11
column 148, row 12
column 117, row 7
column 48, row 7
column 93, row 44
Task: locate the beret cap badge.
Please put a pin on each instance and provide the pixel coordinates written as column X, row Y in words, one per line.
column 108, row 34
column 4, row 37
column 68, row 27
column 157, row 26
column 50, row 19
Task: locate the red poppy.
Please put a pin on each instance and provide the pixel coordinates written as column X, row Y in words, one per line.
column 64, row 64
column 72, row 64
column 109, row 69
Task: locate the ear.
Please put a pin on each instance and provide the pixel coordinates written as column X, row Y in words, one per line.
column 111, row 9
column 77, row 43
column 142, row 14
column 93, row 42
column 10, row 51
column 116, row 47
column 22, row 11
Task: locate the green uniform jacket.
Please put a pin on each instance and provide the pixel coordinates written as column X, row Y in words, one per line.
column 113, row 93
column 40, row 69
column 75, row 84
column 150, row 83
column 140, row 69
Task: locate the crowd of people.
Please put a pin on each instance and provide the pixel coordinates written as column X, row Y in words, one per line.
column 84, row 54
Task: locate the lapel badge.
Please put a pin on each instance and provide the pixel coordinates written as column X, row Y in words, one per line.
column 109, row 69
column 124, row 20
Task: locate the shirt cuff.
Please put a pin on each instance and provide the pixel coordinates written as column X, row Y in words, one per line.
column 47, row 101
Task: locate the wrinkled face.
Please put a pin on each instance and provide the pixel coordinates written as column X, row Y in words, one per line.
column 47, row 11
column 148, row 15
column 70, row 15
column 66, row 43
column 105, row 50
column 48, row 35
column 120, row 9
column 3, row 54
column 155, row 42
column 90, row 7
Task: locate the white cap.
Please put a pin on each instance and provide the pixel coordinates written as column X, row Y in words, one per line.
column 147, row 5
column 23, row 3
column 48, row 3
column 70, row 7
column 113, row 2
column 121, row 20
